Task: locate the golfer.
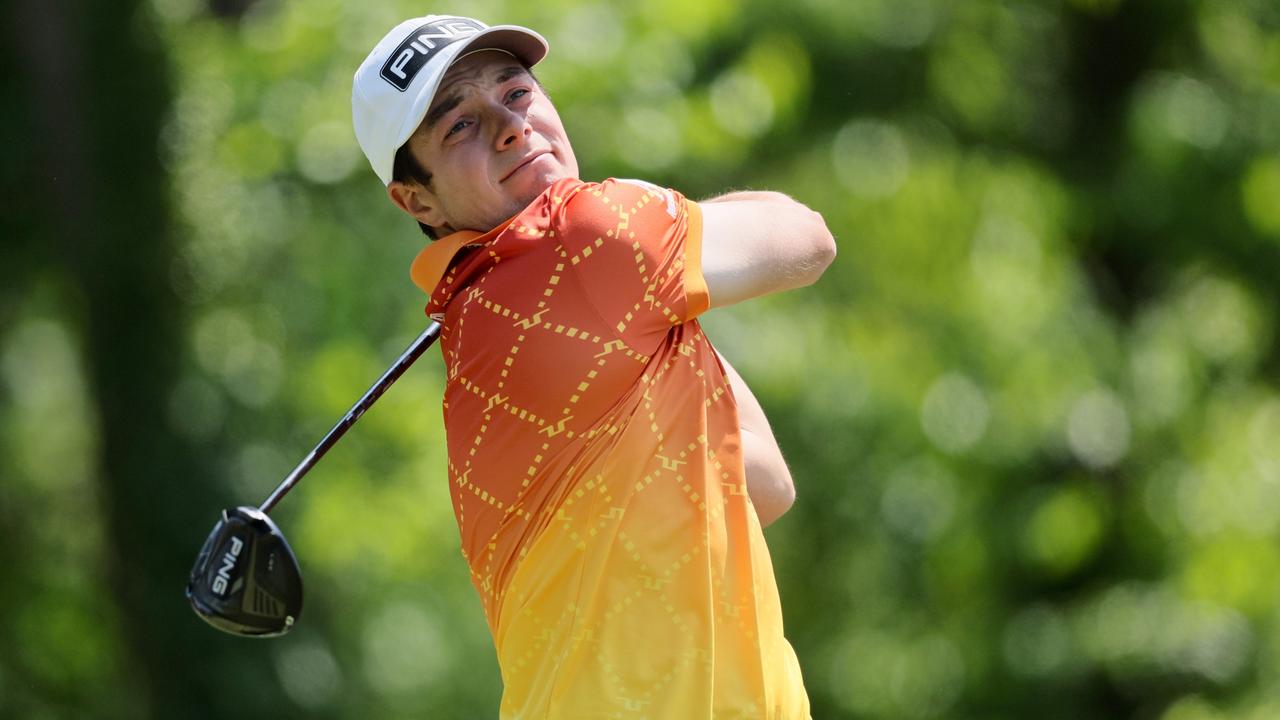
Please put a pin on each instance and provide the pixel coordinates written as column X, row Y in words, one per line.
column 609, row 473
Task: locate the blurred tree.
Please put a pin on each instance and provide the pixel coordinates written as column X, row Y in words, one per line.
column 87, row 221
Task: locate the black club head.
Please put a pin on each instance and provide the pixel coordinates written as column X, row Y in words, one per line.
column 246, row 579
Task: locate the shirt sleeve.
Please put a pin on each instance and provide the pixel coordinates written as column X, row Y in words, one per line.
column 636, row 249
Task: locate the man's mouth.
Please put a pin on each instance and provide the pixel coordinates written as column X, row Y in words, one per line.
column 523, row 163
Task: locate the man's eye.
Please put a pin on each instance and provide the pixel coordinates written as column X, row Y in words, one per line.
column 458, row 127
column 517, row 94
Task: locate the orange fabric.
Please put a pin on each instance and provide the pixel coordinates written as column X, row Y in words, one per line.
column 595, row 465
column 429, row 266
column 695, row 283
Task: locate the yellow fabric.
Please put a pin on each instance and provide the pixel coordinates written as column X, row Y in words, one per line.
column 596, row 469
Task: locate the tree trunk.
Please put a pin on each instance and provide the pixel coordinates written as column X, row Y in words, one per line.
column 87, row 204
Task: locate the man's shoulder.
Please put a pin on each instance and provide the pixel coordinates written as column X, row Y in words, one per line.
column 579, row 205
column 619, row 189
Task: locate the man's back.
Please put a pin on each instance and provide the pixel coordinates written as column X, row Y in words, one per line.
column 596, row 468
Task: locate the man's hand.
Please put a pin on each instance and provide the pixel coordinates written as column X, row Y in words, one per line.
column 768, row 480
column 756, row 243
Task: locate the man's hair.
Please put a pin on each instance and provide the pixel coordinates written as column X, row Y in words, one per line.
column 406, row 167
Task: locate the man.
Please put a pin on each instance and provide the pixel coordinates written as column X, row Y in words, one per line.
column 610, row 474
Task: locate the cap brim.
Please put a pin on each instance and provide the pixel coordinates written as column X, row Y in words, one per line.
column 528, row 46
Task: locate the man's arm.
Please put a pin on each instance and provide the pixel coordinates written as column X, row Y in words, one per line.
column 768, row 480
column 757, row 242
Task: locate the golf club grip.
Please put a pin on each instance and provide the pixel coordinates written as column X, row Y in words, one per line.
column 393, row 373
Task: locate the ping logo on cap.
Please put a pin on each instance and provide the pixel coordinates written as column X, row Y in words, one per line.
column 412, row 54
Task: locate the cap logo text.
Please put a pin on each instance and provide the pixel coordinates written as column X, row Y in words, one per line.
column 421, row 45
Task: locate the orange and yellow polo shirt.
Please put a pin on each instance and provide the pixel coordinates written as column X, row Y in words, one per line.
column 595, row 465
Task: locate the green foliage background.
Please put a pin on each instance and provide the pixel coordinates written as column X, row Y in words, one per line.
column 1032, row 409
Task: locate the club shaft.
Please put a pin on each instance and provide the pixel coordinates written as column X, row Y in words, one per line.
column 371, row 396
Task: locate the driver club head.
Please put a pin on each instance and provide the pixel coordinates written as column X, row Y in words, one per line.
column 246, row 579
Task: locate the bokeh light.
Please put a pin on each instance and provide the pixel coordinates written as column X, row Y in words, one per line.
column 870, row 158
column 405, row 649
column 955, row 412
column 309, row 673
column 1098, row 429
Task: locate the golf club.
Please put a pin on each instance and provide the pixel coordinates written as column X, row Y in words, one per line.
column 246, row 579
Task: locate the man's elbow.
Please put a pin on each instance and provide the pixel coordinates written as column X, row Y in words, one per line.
column 820, row 247
column 769, row 483
column 776, row 504
column 824, row 242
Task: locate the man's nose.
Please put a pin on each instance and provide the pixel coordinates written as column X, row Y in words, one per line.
column 513, row 128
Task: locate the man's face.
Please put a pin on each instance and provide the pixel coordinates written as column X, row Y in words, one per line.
column 492, row 142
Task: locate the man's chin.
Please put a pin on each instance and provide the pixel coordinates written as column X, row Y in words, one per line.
column 521, row 196
column 532, row 187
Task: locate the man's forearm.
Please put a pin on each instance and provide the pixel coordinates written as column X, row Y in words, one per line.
column 758, row 242
column 769, row 481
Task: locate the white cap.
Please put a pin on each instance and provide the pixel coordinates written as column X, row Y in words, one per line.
column 394, row 86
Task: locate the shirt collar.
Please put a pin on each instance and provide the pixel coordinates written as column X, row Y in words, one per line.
column 430, row 264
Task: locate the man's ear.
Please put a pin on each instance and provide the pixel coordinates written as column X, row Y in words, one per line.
column 419, row 202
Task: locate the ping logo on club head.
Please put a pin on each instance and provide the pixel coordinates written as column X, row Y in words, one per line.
column 222, row 580
column 414, row 52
